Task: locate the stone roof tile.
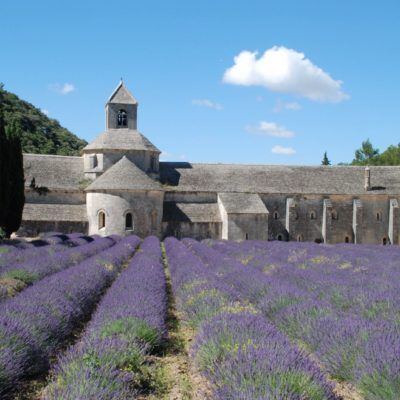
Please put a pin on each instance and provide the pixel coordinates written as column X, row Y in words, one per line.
column 54, row 212
column 242, row 203
column 124, row 175
column 54, row 172
column 121, row 139
column 187, row 177
column 121, row 95
column 191, row 212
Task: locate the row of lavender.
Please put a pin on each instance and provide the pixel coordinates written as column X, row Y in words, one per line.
column 35, row 323
column 241, row 353
column 35, row 264
column 21, row 251
column 129, row 323
column 340, row 301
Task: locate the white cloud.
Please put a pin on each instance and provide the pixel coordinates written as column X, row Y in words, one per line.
column 270, row 129
column 287, row 71
column 165, row 156
column 287, row 151
column 44, row 111
column 64, row 88
column 291, row 106
column 207, row 103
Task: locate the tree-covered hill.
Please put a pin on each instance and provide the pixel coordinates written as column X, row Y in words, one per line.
column 40, row 134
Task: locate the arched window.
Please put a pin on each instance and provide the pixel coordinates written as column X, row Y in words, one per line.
column 313, row 215
column 102, row 220
column 347, row 239
column 279, row 237
column 128, row 221
column 379, row 216
column 276, row 215
column 299, row 238
column 122, row 119
column 335, row 215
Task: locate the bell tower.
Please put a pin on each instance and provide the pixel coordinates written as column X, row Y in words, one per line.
column 121, row 109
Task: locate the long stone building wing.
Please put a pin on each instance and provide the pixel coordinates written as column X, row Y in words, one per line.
column 119, row 186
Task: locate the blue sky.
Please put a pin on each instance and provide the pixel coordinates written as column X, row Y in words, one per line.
column 325, row 76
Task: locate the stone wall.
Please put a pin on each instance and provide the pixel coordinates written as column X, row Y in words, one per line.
column 145, row 207
column 34, row 228
column 112, row 110
column 55, row 197
column 196, row 230
column 106, row 159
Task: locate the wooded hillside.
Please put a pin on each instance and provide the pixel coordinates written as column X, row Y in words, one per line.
column 40, row 134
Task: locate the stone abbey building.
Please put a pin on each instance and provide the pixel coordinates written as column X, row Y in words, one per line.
column 119, row 186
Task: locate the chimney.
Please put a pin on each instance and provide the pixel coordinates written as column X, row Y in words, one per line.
column 367, row 179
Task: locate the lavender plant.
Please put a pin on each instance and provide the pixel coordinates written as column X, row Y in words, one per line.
column 108, row 362
column 36, row 322
column 243, row 355
column 54, row 259
column 340, row 301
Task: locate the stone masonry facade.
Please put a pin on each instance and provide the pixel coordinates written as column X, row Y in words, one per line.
column 119, row 186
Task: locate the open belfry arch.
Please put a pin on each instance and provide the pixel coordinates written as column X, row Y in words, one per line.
column 119, row 186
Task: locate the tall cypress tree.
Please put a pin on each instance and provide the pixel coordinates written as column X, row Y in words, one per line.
column 325, row 160
column 12, row 198
column 3, row 166
column 16, row 182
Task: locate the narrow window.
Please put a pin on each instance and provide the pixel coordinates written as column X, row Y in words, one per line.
column 154, row 219
column 276, row 215
column 247, row 236
column 379, row 216
column 299, row 238
column 122, row 118
column 346, row 239
column 312, row 215
column 128, row 221
column 102, row 220
column 384, row 241
column 92, row 161
column 153, row 165
column 334, row 215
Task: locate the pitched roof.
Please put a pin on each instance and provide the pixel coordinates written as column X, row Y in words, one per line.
column 54, row 172
column 286, row 179
column 191, row 212
column 54, row 212
column 124, row 175
column 121, row 139
column 242, row 203
column 121, row 95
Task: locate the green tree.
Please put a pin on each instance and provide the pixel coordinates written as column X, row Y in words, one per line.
column 325, row 160
column 12, row 198
column 15, row 184
column 366, row 155
column 391, row 156
column 3, row 165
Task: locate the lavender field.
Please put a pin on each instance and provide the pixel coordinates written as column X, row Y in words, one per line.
column 128, row 318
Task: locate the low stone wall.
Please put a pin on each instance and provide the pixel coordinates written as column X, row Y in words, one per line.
column 34, row 228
